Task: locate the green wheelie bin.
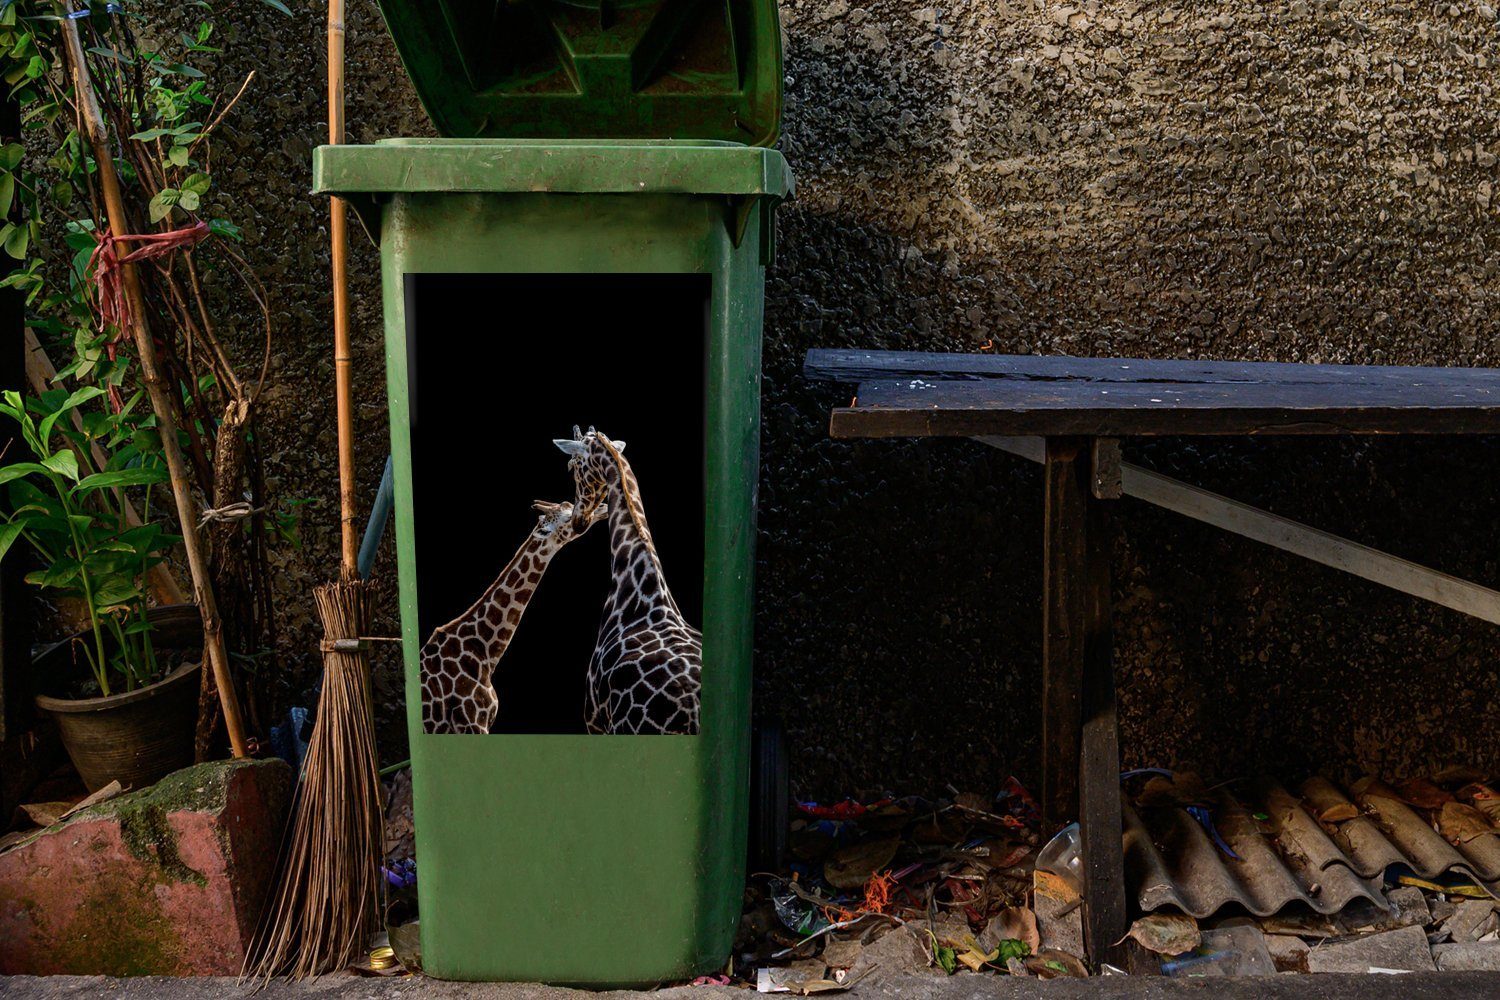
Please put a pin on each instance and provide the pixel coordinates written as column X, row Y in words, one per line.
column 585, row 246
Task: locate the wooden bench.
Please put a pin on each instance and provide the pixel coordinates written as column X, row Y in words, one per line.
column 1069, row 414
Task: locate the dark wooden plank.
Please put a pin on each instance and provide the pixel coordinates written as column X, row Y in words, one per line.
column 928, row 408
column 1064, row 588
column 851, row 366
column 1101, row 826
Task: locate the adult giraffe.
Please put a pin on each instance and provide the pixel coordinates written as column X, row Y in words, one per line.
column 647, row 663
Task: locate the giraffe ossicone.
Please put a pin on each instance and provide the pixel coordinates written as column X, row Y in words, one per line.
column 646, row 669
column 457, row 662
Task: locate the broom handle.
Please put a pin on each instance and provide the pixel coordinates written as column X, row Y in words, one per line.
column 343, row 362
column 145, row 346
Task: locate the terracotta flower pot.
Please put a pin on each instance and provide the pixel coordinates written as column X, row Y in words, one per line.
column 136, row 737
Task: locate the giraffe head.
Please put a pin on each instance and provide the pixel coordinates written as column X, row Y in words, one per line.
column 560, row 522
column 589, row 460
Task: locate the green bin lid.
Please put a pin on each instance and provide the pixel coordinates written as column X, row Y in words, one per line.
column 582, row 69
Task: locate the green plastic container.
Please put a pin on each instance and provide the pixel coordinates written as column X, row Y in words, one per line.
column 552, row 856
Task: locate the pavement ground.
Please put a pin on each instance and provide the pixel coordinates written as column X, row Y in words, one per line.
column 1288, row 986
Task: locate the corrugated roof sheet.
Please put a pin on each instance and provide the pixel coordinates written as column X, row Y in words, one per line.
column 1322, row 848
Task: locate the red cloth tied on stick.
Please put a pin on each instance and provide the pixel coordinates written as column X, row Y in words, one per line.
column 107, row 262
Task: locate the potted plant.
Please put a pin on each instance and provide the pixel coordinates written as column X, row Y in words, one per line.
column 124, row 700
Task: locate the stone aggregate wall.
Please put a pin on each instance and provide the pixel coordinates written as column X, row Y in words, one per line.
column 1296, row 181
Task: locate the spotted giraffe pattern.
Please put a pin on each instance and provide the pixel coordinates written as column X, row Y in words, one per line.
column 458, row 660
column 644, row 676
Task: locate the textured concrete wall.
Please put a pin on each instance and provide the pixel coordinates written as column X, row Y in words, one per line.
column 1296, row 181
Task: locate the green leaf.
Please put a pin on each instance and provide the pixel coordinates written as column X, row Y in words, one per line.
column 223, row 227
column 19, row 469
column 108, row 53
column 277, row 5
column 161, row 205
column 198, row 183
column 9, row 532
column 177, row 156
column 1010, row 948
column 947, row 958
column 7, row 191
column 17, row 241
column 11, row 155
column 76, row 398
column 121, row 477
column 64, row 463
column 116, row 592
column 59, row 574
column 188, row 200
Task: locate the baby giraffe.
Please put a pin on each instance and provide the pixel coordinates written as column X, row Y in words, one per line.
column 458, row 660
column 647, row 663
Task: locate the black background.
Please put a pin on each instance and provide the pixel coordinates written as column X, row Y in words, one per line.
column 500, row 364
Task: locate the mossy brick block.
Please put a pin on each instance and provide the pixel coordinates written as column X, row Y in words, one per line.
column 167, row 881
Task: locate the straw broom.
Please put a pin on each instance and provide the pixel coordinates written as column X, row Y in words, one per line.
column 327, row 900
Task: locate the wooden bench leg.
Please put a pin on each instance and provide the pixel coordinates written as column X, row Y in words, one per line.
column 1100, row 823
column 1064, row 578
column 1080, row 735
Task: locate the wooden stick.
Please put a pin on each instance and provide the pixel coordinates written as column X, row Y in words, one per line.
column 161, row 400
column 40, row 372
column 1290, row 536
column 343, row 361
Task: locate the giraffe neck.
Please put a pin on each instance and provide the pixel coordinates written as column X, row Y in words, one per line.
column 498, row 610
column 634, row 564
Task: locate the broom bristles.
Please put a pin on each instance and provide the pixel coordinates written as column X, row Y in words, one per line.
column 328, row 891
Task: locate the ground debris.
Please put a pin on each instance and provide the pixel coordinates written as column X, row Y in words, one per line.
column 888, row 885
column 1471, row 920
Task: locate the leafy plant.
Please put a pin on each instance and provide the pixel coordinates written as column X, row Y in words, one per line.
column 162, row 108
column 76, row 521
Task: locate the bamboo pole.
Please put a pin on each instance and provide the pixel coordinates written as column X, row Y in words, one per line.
column 156, row 388
column 343, row 361
column 40, row 372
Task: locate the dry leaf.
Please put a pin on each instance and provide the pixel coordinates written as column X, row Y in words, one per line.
column 851, row 867
column 1016, row 923
column 1460, row 824
column 104, row 794
column 1053, row 964
column 1423, row 794
column 1458, row 774
column 1326, row 802
column 1370, row 787
column 45, row 813
column 1338, row 812
column 1484, row 798
column 1166, row 933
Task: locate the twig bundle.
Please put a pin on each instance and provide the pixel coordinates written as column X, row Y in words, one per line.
column 328, row 888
